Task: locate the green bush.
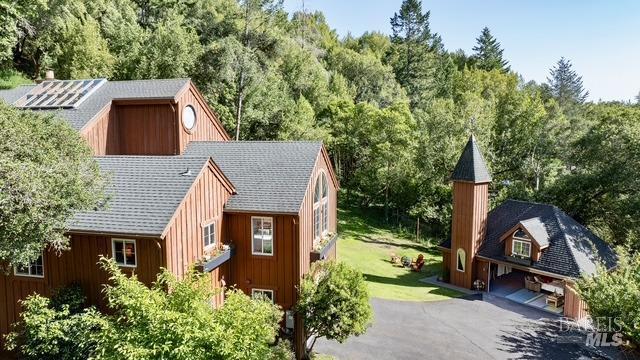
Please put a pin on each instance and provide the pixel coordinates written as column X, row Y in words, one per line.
column 44, row 333
column 334, row 302
column 615, row 294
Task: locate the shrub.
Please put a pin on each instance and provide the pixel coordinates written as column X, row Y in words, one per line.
column 334, row 302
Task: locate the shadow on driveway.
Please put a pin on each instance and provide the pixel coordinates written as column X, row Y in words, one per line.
column 464, row 328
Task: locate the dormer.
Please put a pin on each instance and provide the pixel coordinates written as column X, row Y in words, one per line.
column 524, row 243
column 137, row 117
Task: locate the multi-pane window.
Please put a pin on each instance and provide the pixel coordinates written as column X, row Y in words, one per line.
column 320, row 207
column 262, row 294
column 124, row 252
column 34, row 269
column 209, row 235
column 262, row 230
column 521, row 248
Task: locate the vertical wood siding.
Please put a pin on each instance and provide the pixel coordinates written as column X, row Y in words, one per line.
column 574, row 307
column 183, row 242
column 75, row 266
column 306, row 212
column 469, row 221
column 147, row 129
column 277, row 272
column 207, row 128
column 103, row 136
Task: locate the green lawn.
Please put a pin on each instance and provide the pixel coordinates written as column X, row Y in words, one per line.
column 367, row 245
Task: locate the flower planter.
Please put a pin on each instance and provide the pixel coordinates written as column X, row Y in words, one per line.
column 321, row 254
column 519, row 260
column 219, row 259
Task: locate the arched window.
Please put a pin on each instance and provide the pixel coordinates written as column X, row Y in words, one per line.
column 461, row 260
column 320, row 207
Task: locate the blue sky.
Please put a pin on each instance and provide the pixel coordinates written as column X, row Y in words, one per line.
column 601, row 38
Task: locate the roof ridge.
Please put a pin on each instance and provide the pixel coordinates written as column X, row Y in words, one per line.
column 147, row 80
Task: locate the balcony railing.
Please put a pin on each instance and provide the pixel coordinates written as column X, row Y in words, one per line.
column 216, row 260
column 325, row 246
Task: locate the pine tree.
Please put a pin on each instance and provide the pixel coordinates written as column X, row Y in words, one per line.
column 488, row 54
column 415, row 52
column 566, row 85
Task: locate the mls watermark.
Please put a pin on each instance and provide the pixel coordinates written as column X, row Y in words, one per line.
column 596, row 332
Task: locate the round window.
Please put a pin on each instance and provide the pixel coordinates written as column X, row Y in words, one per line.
column 189, row 117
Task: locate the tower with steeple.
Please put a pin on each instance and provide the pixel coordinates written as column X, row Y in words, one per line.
column 471, row 181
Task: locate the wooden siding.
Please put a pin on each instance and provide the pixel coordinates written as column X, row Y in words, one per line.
column 535, row 248
column 147, row 129
column 469, row 220
column 102, row 135
column 207, row 127
column 306, row 211
column 278, row 272
column 204, row 203
column 482, row 271
column 574, row 307
column 76, row 266
column 152, row 126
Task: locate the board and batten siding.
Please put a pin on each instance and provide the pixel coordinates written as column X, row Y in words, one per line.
column 207, row 128
column 102, row 135
column 323, row 164
column 183, row 244
column 278, row 272
column 469, row 221
column 152, row 126
column 574, row 307
column 78, row 265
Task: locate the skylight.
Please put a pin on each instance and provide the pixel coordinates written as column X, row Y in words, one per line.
column 59, row 94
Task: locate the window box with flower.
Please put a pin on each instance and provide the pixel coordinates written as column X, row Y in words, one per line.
column 322, row 248
column 214, row 258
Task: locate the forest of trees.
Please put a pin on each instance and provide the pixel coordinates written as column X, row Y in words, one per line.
column 394, row 111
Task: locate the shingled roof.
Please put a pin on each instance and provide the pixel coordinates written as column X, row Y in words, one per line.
column 573, row 249
column 111, row 90
column 471, row 166
column 269, row 176
column 144, row 192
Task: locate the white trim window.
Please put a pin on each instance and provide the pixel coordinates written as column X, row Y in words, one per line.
column 209, row 235
column 521, row 247
column 461, row 260
column 262, row 294
column 320, row 208
column 35, row 269
column 124, row 252
column 262, row 235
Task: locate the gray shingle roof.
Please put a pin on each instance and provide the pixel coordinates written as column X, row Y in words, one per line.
column 112, row 90
column 536, row 228
column 573, row 249
column 471, row 166
column 269, row 176
column 144, row 191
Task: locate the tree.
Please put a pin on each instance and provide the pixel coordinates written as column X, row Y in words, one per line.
column 151, row 323
column 488, row 54
column 333, row 302
column 615, row 295
column 412, row 56
column 566, row 85
column 47, row 174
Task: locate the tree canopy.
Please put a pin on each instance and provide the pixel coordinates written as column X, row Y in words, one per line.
column 394, row 111
column 47, row 174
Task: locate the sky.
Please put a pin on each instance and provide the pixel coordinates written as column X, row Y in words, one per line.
column 601, row 38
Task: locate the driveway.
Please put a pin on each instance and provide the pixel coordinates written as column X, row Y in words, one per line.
column 469, row 328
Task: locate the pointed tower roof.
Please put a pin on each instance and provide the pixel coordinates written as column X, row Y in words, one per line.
column 471, row 166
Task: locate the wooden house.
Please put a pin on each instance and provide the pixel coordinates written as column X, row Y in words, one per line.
column 250, row 214
column 528, row 252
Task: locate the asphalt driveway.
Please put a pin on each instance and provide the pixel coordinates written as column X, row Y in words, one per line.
column 471, row 328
